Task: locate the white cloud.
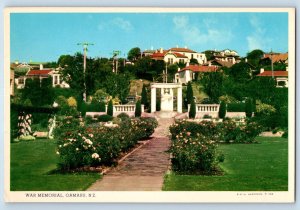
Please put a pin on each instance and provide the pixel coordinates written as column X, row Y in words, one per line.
column 258, row 39
column 122, row 24
column 116, row 22
column 192, row 34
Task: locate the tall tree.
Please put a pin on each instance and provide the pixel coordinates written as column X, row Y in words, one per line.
column 134, row 54
column 189, row 93
column 144, row 99
column 254, row 57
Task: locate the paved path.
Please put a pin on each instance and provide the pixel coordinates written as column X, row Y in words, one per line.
column 144, row 169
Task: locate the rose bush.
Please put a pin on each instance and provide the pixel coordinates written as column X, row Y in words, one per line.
column 79, row 145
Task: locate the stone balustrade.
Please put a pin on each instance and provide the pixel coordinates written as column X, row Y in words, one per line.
column 128, row 109
column 206, row 109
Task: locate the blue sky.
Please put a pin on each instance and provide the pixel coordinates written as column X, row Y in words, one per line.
column 45, row 36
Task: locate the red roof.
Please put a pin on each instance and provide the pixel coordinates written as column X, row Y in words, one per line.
column 196, row 68
column 158, row 55
column 276, row 57
column 178, row 55
column 276, row 74
column 178, row 49
column 39, row 72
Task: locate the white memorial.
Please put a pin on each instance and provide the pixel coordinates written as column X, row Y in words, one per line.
column 166, row 96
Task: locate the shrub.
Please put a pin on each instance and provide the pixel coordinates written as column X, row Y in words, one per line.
column 206, row 116
column 222, row 110
column 88, row 119
column 123, row 116
column 192, row 112
column 193, row 153
column 233, row 133
column 248, row 107
column 105, row 118
column 138, row 109
column 146, row 127
column 102, row 107
column 80, row 146
column 72, row 102
column 236, row 107
column 110, row 108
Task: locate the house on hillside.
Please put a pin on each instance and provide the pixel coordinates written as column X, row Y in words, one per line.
column 281, row 77
column 275, row 57
column 42, row 73
column 176, row 55
column 189, row 73
column 224, row 58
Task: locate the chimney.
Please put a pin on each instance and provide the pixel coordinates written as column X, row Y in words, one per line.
column 161, row 50
column 17, row 62
column 41, row 66
column 176, row 46
column 262, row 70
column 185, row 47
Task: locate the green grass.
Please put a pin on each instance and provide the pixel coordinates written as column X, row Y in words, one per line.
column 247, row 167
column 31, row 163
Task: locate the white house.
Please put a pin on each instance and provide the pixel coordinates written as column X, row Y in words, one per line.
column 190, row 54
column 281, row 77
column 42, row 73
column 188, row 73
column 177, row 55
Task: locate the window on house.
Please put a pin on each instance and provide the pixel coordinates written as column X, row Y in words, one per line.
column 55, row 80
column 192, row 56
column 170, row 60
column 21, row 81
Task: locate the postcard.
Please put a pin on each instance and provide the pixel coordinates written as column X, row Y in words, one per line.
column 149, row 105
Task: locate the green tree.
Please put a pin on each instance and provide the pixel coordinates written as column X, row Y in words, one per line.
column 138, row 109
column 209, row 54
column 189, row 93
column 213, row 85
column 134, row 54
column 248, row 107
column 193, row 61
column 144, row 99
column 39, row 92
column 118, row 85
column 222, row 110
column 110, row 108
column 192, row 112
column 240, row 72
column 254, row 57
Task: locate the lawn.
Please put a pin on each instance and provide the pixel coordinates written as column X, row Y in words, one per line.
column 247, row 167
column 31, row 163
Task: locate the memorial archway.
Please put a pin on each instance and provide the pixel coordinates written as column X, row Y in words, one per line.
column 167, row 95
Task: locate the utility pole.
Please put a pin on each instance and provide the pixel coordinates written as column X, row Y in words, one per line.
column 115, row 57
column 272, row 67
column 166, row 73
column 85, row 45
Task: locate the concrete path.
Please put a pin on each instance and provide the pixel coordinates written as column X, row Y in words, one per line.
column 144, row 169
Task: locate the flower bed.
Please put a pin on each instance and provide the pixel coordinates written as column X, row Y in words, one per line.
column 194, row 144
column 79, row 145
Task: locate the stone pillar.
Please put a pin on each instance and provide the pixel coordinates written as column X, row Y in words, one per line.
column 143, row 108
column 179, row 100
column 153, row 99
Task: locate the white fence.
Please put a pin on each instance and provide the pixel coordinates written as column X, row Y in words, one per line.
column 128, row 109
column 211, row 110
